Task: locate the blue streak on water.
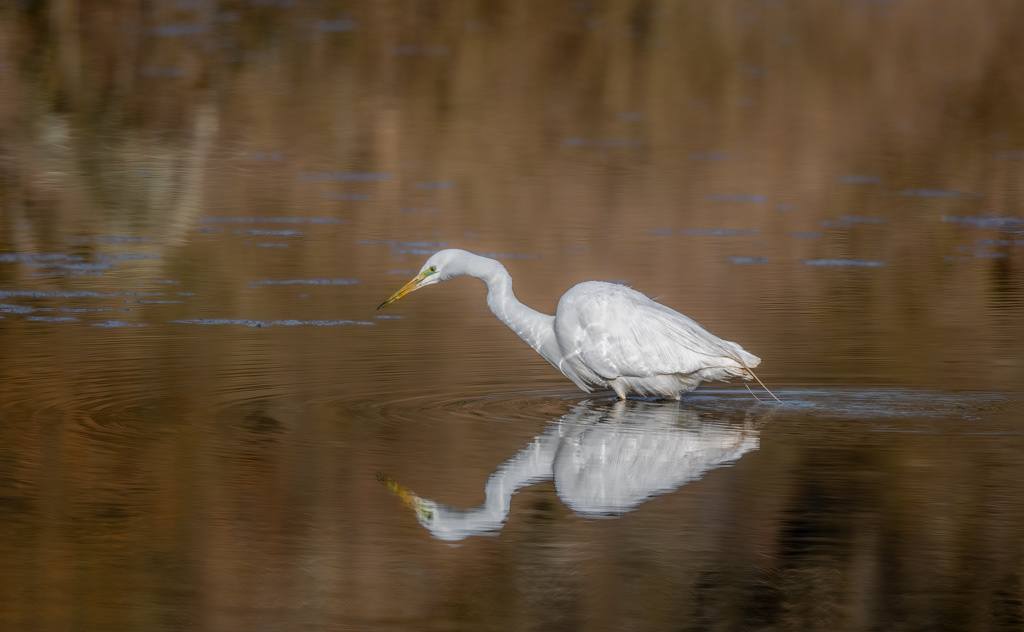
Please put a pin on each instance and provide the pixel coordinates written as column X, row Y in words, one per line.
column 720, row 232
column 17, row 257
column 127, row 257
column 53, row 319
column 16, row 309
column 434, row 185
column 388, row 317
column 937, row 193
column 344, row 25
column 161, row 73
column 269, row 323
column 176, row 30
column 93, row 269
column 82, row 310
column 273, row 233
column 273, row 220
column 803, row 235
column 309, row 282
column 352, row 176
column 56, row 294
column 844, row 263
column 118, row 323
column 1007, row 223
column 420, row 244
column 53, row 294
column 115, row 239
column 746, row 260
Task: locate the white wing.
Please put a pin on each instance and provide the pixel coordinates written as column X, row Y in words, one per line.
column 608, row 331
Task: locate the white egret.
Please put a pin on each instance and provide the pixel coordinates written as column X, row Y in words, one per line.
column 603, row 335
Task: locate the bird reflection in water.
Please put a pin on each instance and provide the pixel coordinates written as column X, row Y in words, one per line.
column 604, row 459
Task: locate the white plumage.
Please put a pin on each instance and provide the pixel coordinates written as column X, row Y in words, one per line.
column 603, row 460
column 603, row 335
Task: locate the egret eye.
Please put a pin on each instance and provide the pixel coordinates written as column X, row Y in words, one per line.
column 432, row 269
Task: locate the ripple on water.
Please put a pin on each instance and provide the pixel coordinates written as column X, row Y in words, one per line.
column 727, row 404
column 950, row 411
column 528, row 406
column 477, row 404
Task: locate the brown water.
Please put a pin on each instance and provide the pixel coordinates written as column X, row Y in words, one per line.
column 202, row 203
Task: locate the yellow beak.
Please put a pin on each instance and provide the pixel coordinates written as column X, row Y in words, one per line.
column 411, row 286
column 406, row 494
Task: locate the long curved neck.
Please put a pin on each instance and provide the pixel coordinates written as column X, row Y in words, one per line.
column 530, row 465
column 535, row 328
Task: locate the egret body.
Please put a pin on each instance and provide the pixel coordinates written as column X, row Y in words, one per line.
column 603, row 335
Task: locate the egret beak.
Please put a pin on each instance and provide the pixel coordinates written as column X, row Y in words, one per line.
column 411, row 286
column 407, row 496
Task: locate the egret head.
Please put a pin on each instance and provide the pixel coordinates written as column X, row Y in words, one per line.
column 441, row 266
column 443, row 522
column 424, row 509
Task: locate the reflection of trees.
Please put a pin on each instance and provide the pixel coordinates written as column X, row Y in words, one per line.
column 117, row 121
column 603, row 459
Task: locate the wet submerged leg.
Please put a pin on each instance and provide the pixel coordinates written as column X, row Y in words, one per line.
column 619, row 388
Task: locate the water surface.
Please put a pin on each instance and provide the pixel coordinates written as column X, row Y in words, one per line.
column 205, row 423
